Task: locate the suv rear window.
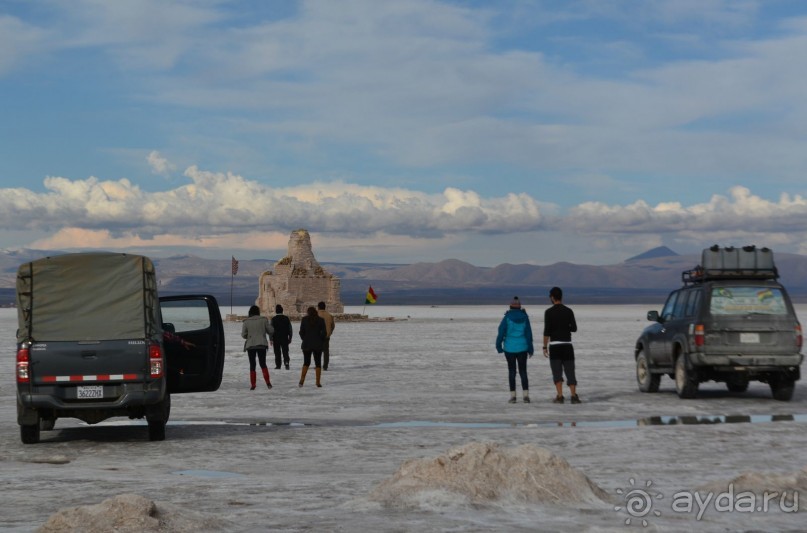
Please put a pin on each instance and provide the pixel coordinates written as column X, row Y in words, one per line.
column 743, row 300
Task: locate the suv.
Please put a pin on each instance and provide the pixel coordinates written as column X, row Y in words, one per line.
column 94, row 340
column 731, row 322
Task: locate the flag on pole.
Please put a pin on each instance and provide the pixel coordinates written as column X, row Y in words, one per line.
column 235, row 266
column 371, row 297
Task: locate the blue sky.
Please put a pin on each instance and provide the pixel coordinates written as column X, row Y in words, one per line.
column 491, row 132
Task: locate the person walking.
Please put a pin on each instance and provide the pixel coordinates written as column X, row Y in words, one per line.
column 330, row 324
column 313, row 333
column 282, row 336
column 255, row 329
column 559, row 324
column 515, row 341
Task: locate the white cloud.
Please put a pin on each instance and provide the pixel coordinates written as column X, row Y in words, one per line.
column 159, row 164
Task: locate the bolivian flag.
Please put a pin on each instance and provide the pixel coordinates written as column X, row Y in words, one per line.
column 371, row 297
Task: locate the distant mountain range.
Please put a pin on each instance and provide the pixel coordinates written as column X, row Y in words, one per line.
column 645, row 278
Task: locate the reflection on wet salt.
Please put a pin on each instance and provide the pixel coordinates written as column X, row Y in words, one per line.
column 649, row 421
column 207, row 473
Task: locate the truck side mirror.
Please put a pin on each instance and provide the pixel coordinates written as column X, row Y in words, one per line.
column 652, row 316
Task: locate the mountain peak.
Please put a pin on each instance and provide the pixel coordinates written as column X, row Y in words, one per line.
column 659, row 251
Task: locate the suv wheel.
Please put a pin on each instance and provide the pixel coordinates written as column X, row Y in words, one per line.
column 686, row 383
column 782, row 388
column 157, row 417
column 648, row 382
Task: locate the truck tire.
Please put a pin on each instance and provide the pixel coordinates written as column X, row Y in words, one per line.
column 686, row 382
column 47, row 424
column 157, row 417
column 29, row 433
column 782, row 388
column 648, row 382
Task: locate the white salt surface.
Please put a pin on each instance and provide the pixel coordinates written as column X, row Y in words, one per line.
column 291, row 459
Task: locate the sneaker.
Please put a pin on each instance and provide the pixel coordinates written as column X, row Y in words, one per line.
column 576, row 399
column 558, row 399
column 526, row 399
column 512, row 400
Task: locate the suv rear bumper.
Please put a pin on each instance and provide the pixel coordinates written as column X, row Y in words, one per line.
column 751, row 362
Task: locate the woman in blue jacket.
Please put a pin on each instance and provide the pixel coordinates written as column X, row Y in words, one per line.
column 515, row 341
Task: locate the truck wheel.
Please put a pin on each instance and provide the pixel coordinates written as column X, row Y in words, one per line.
column 156, row 430
column 686, row 383
column 648, row 382
column 157, row 417
column 737, row 384
column 29, row 434
column 782, row 389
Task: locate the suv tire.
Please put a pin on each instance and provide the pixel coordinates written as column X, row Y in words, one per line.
column 782, row 388
column 158, row 417
column 648, row 382
column 686, row 383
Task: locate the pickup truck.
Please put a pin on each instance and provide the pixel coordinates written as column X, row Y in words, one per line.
column 95, row 340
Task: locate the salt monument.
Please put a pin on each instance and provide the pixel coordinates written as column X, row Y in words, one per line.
column 298, row 281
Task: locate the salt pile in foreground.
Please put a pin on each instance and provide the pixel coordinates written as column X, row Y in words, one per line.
column 484, row 473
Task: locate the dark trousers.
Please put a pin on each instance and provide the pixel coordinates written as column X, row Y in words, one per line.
column 260, row 353
column 326, row 352
column 561, row 360
column 517, row 360
column 281, row 350
column 307, row 357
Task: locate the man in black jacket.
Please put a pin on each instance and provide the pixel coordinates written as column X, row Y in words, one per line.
column 559, row 324
column 282, row 336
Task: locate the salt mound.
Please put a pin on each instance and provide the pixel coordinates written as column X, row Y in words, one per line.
column 791, row 486
column 129, row 513
column 483, row 473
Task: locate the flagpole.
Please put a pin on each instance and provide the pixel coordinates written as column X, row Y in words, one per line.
column 232, row 277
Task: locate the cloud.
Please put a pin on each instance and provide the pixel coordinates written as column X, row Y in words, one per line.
column 159, row 164
column 217, row 203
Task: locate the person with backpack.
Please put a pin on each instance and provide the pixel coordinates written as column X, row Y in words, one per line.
column 515, row 342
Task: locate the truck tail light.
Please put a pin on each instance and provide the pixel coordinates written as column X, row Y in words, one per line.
column 23, row 365
column 700, row 337
column 155, row 361
column 799, row 337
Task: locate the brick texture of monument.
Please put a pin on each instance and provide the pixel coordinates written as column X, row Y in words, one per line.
column 298, row 281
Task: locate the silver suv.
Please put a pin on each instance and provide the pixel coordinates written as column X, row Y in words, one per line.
column 730, row 322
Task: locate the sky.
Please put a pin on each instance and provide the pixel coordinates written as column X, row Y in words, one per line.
column 525, row 131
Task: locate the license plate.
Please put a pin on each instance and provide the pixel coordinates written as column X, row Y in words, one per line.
column 88, row 392
column 749, row 338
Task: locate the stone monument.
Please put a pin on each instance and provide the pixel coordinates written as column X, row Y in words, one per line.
column 298, row 281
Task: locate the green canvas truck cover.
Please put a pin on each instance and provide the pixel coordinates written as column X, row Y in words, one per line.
column 87, row 297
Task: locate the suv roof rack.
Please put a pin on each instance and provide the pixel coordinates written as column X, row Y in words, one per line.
column 748, row 262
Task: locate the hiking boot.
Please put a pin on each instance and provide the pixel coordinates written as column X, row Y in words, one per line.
column 511, row 400
column 526, row 399
column 558, row 399
column 576, row 399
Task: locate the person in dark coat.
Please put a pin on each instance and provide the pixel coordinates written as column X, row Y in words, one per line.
column 282, row 336
column 313, row 333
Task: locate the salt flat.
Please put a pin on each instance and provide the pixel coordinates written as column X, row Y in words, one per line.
column 304, row 459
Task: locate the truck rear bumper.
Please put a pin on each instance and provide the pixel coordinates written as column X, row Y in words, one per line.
column 750, row 362
column 118, row 398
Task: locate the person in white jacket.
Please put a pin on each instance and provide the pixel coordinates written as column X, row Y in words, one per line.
column 257, row 329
